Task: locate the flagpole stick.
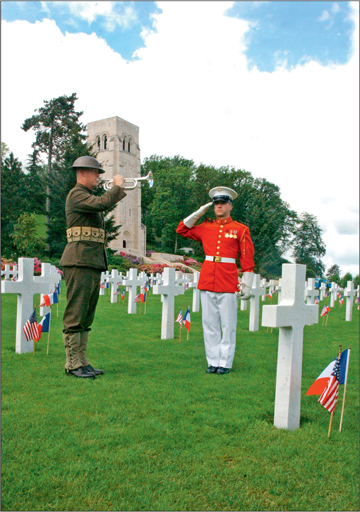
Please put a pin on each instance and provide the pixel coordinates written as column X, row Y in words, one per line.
column 326, row 319
column 47, row 349
column 33, row 347
column 180, row 330
column 331, row 419
column 344, row 395
column 57, row 310
column 187, row 336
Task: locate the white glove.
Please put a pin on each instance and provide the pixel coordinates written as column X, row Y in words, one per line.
column 191, row 220
column 245, row 286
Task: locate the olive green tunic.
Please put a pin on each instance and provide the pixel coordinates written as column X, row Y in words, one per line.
column 83, row 261
column 84, row 209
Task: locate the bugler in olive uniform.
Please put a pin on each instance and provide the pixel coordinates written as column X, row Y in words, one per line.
column 223, row 241
column 83, row 260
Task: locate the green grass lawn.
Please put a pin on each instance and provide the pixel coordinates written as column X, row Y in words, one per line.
column 158, row 433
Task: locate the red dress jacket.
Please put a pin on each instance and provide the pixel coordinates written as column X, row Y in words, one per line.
column 216, row 240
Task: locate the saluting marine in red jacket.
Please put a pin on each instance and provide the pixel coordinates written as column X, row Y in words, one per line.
column 223, row 240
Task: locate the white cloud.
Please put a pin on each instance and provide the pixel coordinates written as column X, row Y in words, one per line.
column 325, row 15
column 191, row 93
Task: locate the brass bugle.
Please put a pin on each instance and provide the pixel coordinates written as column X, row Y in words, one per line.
column 129, row 183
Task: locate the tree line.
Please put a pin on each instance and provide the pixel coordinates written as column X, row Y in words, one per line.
column 180, row 187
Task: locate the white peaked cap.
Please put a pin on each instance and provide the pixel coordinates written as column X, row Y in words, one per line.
column 222, row 193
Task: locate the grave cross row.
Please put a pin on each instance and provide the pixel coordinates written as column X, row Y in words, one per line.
column 25, row 287
column 291, row 315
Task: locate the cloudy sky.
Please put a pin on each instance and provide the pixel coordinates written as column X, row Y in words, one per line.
column 268, row 87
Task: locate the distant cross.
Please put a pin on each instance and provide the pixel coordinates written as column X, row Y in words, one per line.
column 322, row 290
column 115, row 279
column 271, row 286
column 7, row 272
column 255, row 293
column 264, row 285
column 291, row 315
column 333, row 294
column 131, row 284
column 142, row 279
column 103, row 278
column 196, row 293
column 168, row 290
column 26, row 288
column 310, row 291
column 349, row 293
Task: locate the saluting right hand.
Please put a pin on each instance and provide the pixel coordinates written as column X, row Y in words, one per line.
column 191, row 220
column 118, row 180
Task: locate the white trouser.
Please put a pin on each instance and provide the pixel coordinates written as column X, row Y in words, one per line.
column 219, row 313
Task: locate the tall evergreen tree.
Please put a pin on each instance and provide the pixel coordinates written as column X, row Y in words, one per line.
column 54, row 124
column 13, row 201
column 308, row 246
column 35, row 184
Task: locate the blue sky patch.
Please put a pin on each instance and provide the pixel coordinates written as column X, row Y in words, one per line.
column 292, row 33
column 284, row 33
column 119, row 23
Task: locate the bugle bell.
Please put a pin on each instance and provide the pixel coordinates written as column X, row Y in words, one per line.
column 129, row 183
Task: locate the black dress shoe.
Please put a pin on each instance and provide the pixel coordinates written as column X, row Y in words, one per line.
column 81, row 373
column 222, row 370
column 89, row 368
column 211, row 369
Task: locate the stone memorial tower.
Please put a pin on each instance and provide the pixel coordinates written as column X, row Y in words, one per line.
column 116, row 143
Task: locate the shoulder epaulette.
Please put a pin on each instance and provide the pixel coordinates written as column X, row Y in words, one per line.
column 241, row 224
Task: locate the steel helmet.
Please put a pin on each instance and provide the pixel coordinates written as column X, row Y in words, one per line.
column 87, row 162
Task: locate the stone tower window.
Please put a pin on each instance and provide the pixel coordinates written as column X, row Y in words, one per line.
column 98, row 143
column 124, row 244
column 105, row 142
column 129, row 146
column 124, row 140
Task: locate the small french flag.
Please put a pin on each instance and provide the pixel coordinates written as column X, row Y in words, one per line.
column 187, row 320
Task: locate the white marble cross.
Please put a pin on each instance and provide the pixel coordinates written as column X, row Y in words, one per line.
column 264, row 285
column 271, row 286
column 131, row 282
column 196, row 292
column 322, row 290
column 291, row 315
column 26, row 288
column 333, row 294
column 7, row 272
column 168, row 290
column 310, row 291
column 115, row 279
column 349, row 293
column 256, row 291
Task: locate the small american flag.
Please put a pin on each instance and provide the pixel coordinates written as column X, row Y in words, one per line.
column 325, row 311
column 179, row 318
column 31, row 327
column 330, row 394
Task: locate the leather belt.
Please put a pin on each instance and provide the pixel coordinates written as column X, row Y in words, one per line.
column 220, row 259
column 85, row 234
